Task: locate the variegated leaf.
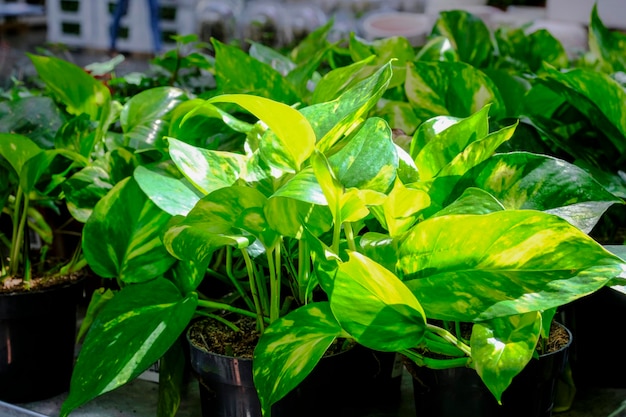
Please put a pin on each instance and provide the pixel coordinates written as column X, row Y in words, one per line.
column 606, row 44
column 331, row 120
column 122, row 237
column 17, row 149
column 440, row 139
column 238, row 72
column 171, row 194
column 388, row 317
column 337, row 81
column 133, row 330
column 369, row 159
column 228, row 216
column 291, row 139
column 144, row 118
column 290, row 348
column 501, row 349
column 478, row 267
column 207, row 170
column 521, row 180
column 596, row 95
column 69, row 83
column 469, row 34
column 450, row 88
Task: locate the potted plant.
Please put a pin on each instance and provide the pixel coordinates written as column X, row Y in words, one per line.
column 159, row 290
column 41, row 274
column 429, row 265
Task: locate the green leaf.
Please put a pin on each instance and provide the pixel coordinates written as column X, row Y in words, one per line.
column 597, row 96
column 99, row 298
column 389, row 317
column 501, row 349
column 522, row 180
column 290, row 348
column 304, row 200
column 401, row 208
column 450, row 88
column 384, row 49
column 440, row 140
column 76, row 135
column 169, row 192
column 477, row 267
column 131, row 332
column 86, row 187
column 122, row 236
column 331, row 120
column 294, row 138
column 237, row 72
column 271, row 57
column 171, row 379
column 37, row 117
column 228, row 216
column 207, row 170
column 17, row 150
column 144, row 117
column 337, row 81
column 469, row 35
column 438, row 48
column 369, row 159
column 607, row 45
column 472, row 201
column 79, row 91
column 199, row 123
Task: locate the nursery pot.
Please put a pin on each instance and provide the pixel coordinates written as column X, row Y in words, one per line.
column 334, row 387
column 597, row 314
column 459, row 392
column 37, row 342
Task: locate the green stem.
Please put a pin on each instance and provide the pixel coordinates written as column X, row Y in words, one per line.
column 253, row 290
column 431, row 363
column 19, row 224
column 273, row 261
column 304, row 268
column 347, row 227
column 214, row 305
column 449, row 337
column 234, row 280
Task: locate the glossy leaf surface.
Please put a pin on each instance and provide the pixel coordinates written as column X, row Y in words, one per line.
column 144, row 118
column 122, row 237
column 293, row 139
column 514, row 262
column 450, row 88
column 290, row 348
column 132, row 331
column 388, row 317
column 522, row 180
column 79, row 91
column 502, row 347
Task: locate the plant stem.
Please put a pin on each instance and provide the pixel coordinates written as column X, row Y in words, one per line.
column 253, row 290
column 214, row 305
column 19, row 224
column 234, row 280
column 303, row 269
column 449, row 337
column 431, row 363
column 273, row 261
column 347, row 227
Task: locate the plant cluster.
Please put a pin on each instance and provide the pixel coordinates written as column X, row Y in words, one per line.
column 432, row 188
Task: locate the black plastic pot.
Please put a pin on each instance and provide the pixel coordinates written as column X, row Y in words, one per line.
column 459, row 392
column 597, row 315
column 588, row 318
column 37, row 342
column 345, row 384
